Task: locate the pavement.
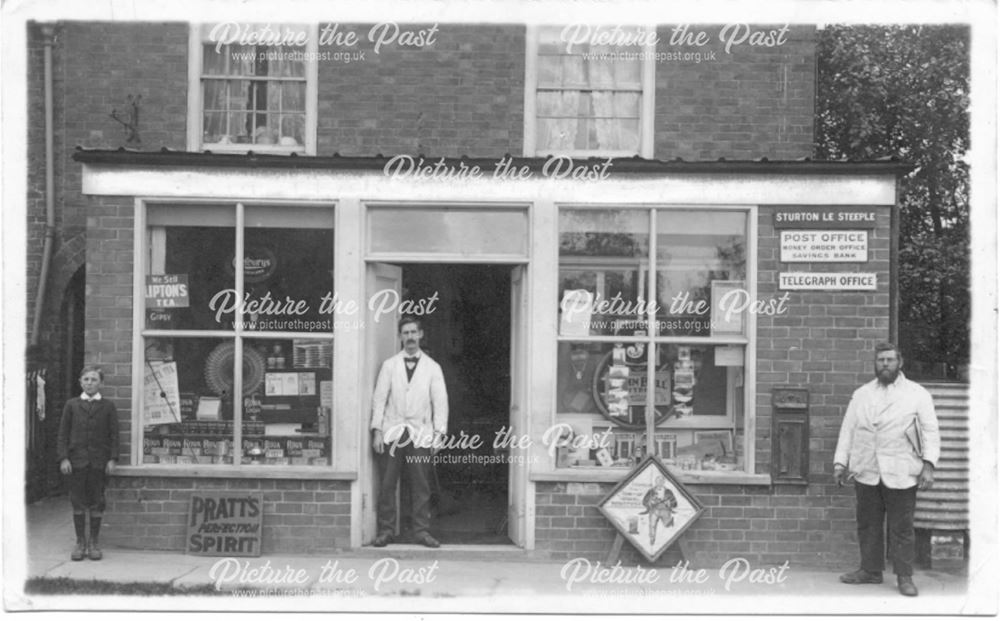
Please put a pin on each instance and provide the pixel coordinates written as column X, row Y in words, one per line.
column 466, row 578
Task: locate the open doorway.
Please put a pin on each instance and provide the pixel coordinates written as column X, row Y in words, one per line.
column 469, row 335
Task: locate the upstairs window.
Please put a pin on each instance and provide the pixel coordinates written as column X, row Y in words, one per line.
column 253, row 87
column 586, row 98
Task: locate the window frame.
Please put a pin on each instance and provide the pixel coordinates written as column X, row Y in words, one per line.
column 196, row 101
column 647, row 76
column 238, row 335
column 747, row 340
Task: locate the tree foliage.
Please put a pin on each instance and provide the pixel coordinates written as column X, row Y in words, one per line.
column 904, row 91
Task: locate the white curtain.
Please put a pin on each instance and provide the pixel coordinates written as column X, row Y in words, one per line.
column 596, row 106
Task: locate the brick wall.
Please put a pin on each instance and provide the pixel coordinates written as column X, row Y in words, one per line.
column 109, row 304
column 462, row 95
column 299, row 516
column 96, row 66
column 752, row 102
column 809, row 527
column 825, row 342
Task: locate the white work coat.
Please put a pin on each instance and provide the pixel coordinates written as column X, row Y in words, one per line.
column 419, row 405
column 888, row 432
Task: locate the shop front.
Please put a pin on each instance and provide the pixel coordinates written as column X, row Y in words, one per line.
column 716, row 314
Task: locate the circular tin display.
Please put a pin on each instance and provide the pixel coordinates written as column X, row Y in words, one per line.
column 219, row 369
column 620, row 387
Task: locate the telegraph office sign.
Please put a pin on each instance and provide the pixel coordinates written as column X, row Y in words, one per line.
column 828, row 281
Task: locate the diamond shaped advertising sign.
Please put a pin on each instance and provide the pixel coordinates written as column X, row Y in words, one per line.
column 650, row 508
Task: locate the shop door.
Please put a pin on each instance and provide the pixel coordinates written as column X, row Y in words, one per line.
column 383, row 343
column 518, row 504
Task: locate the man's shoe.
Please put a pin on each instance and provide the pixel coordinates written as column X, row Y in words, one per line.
column 425, row 539
column 79, row 551
column 906, row 586
column 862, row 576
column 94, row 552
column 382, row 540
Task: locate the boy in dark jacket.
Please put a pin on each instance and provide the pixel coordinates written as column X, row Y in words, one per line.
column 88, row 448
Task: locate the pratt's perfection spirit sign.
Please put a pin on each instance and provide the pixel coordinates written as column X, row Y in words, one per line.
column 803, row 246
column 225, row 524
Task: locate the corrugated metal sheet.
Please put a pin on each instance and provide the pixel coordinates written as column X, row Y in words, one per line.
column 946, row 505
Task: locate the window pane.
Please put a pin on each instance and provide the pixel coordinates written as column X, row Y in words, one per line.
column 283, row 63
column 188, row 399
column 609, row 379
column 701, row 267
column 190, row 268
column 561, row 104
column 560, row 134
column 602, row 390
column 603, row 254
column 293, row 96
column 452, row 231
column 214, row 63
column 215, row 94
column 615, row 134
column 600, row 71
column 627, row 73
column 697, row 385
column 572, row 72
column 604, row 233
column 549, row 71
column 242, row 59
column 291, row 408
column 239, row 127
column 214, row 127
column 288, row 270
column 292, row 130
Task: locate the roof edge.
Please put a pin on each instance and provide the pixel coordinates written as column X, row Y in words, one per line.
column 619, row 165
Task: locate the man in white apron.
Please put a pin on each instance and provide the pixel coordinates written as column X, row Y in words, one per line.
column 889, row 445
column 409, row 418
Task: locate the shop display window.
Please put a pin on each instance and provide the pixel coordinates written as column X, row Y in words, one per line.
column 238, row 359
column 613, row 372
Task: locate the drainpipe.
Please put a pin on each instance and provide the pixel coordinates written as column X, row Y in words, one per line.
column 48, row 36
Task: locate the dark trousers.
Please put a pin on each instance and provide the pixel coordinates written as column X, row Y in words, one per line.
column 86, row 489
column 875, row 504
column 414, row 464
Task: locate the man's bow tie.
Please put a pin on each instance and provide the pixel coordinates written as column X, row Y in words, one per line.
column 412, row 359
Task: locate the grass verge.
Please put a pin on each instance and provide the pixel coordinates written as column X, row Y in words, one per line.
column 68, row 586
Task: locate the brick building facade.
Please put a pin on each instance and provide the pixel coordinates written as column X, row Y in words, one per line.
column 727, row 135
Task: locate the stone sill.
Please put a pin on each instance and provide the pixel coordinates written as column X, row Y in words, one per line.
column 688, row 477
column 230, row 472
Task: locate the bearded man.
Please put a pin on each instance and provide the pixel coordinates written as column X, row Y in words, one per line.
column 889, row 445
